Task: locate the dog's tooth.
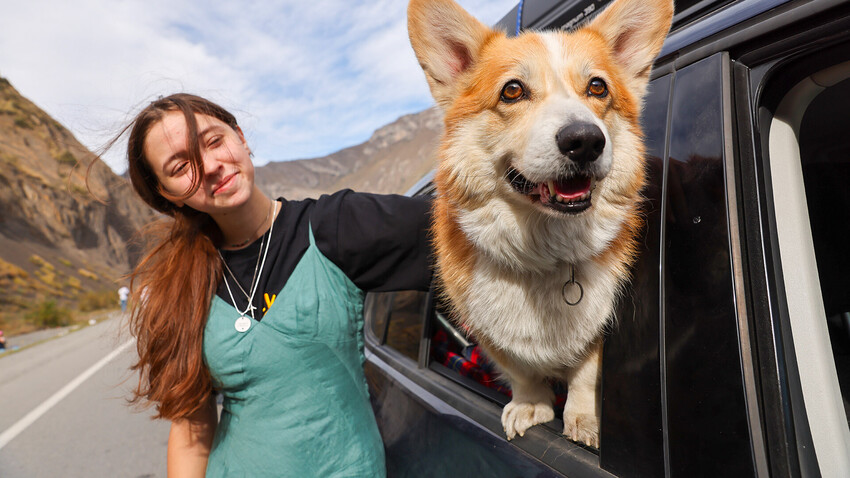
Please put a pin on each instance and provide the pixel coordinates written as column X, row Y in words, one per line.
column 552, row 192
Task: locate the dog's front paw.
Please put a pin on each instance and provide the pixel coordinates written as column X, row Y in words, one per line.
column 582, row 427
column 519, row 417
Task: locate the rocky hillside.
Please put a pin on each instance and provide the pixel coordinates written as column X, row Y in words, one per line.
column 59, row 242
column 56, row 240
column 393, row 159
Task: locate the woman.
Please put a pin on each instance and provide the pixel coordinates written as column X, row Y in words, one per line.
column 258, row 300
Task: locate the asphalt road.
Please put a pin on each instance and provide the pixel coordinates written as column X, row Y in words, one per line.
column 63, row 410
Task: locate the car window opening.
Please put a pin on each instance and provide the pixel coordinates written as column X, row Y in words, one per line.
column 825, row 158
column 810, row 167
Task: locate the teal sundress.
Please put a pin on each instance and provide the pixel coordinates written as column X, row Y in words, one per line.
column 295, row 397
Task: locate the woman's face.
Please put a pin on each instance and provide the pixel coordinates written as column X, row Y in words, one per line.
column 228, row 171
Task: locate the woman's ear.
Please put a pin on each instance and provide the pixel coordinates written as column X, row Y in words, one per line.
column 242, row 138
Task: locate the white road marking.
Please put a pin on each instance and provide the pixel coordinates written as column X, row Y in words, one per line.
column 40, row 410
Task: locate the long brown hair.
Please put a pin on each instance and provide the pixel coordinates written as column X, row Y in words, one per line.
column 175, row 281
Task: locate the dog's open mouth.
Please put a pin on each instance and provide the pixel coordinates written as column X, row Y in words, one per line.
column 566, row 194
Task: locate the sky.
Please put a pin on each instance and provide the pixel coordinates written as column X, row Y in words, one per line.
column 304, row 78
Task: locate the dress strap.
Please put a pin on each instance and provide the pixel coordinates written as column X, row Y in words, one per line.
column 310, row 231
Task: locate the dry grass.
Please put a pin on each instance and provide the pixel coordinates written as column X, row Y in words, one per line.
column 9, row 271
column 87, row 274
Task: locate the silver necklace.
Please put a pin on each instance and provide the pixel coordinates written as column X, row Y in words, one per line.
column 248, row 241
column 257, row 265
column 243, row 323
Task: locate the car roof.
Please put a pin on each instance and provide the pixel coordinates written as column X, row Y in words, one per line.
column 713, row 22
column 541, row 13
column 700, row 29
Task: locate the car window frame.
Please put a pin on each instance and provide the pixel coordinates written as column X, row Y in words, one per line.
column 768, row 79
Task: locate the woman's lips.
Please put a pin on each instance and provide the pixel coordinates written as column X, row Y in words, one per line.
column 223, row 184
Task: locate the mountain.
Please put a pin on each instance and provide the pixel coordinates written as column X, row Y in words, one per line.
column 391, row 161
column 57, row 241
column 69, row 225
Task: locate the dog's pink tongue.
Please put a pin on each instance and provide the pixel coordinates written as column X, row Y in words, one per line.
column 573, row 187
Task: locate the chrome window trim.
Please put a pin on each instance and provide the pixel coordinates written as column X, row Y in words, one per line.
column 748, row 368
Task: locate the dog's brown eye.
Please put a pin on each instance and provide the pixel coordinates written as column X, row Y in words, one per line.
column 597, row 87
column 512, row 91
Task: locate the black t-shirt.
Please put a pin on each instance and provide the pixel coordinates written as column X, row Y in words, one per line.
column 380, row 242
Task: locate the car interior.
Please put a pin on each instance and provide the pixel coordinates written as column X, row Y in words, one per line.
column 825, row 157
column 809, row 150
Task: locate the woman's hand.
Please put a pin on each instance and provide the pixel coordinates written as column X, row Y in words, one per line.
column 190, row 442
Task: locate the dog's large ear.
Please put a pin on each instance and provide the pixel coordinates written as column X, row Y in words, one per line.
column 446, row 40
column 635, row 30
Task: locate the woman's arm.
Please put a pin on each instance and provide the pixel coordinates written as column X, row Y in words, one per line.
column 380, row 241
column 190, row 441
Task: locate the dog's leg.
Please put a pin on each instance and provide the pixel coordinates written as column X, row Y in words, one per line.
column 531, row 404
column 583, row 407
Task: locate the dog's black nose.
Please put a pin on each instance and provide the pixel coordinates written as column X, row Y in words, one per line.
column 581, row 142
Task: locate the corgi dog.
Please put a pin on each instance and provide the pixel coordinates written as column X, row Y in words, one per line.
column 539, row 179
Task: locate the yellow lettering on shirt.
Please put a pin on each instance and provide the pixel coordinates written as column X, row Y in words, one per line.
column 269, row 301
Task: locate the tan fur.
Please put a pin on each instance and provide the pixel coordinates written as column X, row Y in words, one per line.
column 502, row 256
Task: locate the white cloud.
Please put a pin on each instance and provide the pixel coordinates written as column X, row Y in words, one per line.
column 303, row 78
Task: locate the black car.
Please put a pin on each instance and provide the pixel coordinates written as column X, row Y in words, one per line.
column 730, row 353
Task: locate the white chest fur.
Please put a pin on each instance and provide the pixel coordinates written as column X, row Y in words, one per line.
column 526, row 316
column 522, row 261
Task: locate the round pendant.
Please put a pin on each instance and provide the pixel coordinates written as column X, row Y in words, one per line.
column 572, row 292
column 242, row 324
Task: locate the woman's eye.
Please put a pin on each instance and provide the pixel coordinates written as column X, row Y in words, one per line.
column 180, row 168
column 512, row 91
column 214, row 141
column 597, row 88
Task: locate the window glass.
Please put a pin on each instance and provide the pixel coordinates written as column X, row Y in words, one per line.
column 378, row 308
column 396, row 319
column 706, row 411
column 631, row 404
column 825, row 158
column 453, row 349
column 405, row 322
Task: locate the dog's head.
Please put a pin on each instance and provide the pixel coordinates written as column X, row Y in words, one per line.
column 546, row 120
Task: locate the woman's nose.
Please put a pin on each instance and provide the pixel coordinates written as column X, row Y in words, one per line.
column 212, row 163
